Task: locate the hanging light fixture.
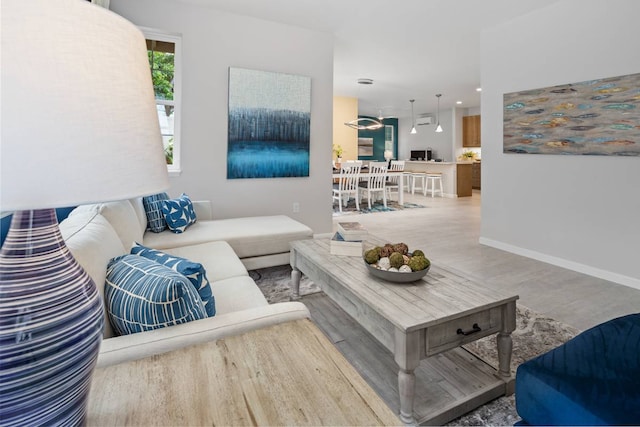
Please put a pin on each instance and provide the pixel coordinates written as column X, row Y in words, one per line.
column 365, row 123
column 438, row 127
column 413, row 121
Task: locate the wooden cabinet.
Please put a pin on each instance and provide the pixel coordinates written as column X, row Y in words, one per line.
column 475, row 176
column 463, row 179
column 471, row 131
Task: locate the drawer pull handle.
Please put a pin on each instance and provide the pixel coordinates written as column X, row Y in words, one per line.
column 475, row 328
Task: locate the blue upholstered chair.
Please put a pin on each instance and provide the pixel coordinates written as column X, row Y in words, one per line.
column 593, row 379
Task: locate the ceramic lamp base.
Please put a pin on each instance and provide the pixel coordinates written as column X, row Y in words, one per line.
column 51, row 325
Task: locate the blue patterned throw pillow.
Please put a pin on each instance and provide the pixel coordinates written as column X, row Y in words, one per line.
column 142, row 295
column 179, row 213
column 194, row 271
column 153, row 209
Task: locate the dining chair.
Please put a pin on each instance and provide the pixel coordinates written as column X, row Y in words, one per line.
column 347, row 184
column 392, row 183
column 375, row 183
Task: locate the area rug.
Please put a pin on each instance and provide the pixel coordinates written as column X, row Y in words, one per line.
column 274, row 282
column 376, row 206
column 535, row 334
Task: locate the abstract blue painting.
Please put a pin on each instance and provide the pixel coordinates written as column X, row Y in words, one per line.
column 269, row 124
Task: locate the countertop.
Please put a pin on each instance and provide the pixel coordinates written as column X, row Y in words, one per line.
column 430, row 162
column 426, row 162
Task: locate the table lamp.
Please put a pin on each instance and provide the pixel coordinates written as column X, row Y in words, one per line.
column 79, row 125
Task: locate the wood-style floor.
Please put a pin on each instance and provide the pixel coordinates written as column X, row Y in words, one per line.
column 448, row 231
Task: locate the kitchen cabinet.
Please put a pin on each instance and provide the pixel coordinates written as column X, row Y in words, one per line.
column 463, row 179
column 471, row 131
column 475, row 175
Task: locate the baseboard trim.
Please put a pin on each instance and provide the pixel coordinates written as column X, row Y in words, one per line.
column 561, row 262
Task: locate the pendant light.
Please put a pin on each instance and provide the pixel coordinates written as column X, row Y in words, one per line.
column 365, row 123
column 438, row 127
column 413, row 121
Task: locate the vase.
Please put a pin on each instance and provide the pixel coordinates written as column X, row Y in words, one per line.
column 51, row 322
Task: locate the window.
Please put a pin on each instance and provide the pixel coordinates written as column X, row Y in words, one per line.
column 388, row 138
column 164, row 54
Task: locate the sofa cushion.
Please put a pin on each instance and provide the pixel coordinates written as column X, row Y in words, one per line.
column 179, row 213
column 142, row 295
column 194, row 271
column 153, row 210
column 218, row 259
column 82, row 209
column 122, row 217
column 92, row 242
column 138, row 207
column 236, row 294
column 249, row 237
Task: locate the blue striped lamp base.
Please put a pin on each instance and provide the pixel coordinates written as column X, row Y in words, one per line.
column 51, row 325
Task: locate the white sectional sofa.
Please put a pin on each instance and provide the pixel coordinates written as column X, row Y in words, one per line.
column 97, row 233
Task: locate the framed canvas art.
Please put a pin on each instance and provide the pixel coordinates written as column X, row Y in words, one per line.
column 269, row 124
column 595, row 117
column 365, row 147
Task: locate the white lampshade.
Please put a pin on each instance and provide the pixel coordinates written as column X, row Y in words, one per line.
column 79, row 121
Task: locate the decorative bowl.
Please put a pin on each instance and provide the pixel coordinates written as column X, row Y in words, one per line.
column 391, row 276
column 396, row 276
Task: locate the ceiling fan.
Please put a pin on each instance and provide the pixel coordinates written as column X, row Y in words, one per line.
column 381, row 116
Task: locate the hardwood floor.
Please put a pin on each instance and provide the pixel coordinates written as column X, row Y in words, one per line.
column 448, row 231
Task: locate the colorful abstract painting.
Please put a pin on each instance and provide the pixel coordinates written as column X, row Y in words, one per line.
column 595, row 117
column 269, row 124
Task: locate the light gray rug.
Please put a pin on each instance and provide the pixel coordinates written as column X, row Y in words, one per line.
column 274, row 282
column 535, row 334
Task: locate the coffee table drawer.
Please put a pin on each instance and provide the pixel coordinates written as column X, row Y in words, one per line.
column 463, row 330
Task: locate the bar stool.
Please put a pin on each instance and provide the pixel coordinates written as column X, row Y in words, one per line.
column 432, row 178
column 421, row 177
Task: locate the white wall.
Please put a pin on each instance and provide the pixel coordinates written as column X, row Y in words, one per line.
column 427, row 138
column 212, row 42
column 580, row 212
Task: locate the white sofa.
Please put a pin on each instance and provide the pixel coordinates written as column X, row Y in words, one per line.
column 96, row 233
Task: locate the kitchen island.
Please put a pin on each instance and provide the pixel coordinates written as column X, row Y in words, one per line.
column 456, row 176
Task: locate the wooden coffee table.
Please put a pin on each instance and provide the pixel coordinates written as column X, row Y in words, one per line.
column 286, row 374
column 416, row 321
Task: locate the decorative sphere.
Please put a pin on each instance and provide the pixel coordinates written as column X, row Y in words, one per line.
column 418, row 263
column 396, row 259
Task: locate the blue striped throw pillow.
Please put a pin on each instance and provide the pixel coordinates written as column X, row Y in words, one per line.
column 142, row 295
column 194, row 271
column 153, row 209
column 179, row 213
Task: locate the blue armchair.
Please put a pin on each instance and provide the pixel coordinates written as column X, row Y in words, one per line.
column 593, row 379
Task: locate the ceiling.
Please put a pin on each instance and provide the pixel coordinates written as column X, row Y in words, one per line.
column 411, row 49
